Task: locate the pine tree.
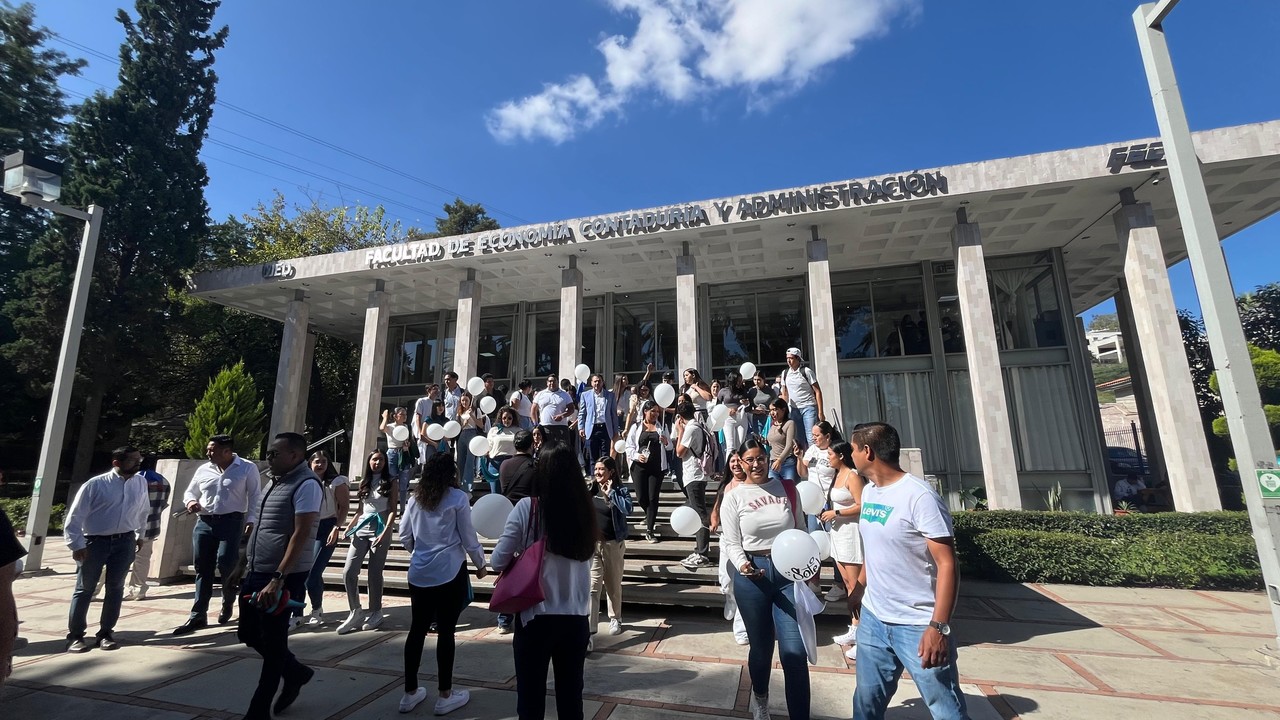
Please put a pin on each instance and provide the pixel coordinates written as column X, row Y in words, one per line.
column 230, row 406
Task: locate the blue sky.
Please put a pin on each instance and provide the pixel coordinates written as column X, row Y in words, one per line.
column 554, row 110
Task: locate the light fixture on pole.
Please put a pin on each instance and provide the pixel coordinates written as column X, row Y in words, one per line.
column 1237, row 385
column 37, row 182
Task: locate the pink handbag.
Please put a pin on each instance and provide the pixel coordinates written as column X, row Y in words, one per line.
column 519, row 587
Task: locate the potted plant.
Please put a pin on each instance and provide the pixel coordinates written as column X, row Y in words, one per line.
column 1124, row 507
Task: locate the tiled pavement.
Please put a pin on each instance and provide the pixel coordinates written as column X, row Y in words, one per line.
column 1026, row 651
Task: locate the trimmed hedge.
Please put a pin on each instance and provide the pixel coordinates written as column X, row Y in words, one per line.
column 18, row 508
column 1184, row 550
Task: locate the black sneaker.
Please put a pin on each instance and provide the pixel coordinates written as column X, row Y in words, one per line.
column 291, row 690
column 197, row 621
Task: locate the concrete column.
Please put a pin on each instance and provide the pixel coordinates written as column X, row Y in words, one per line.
column 571, row 320
column 293, row 372
column 466, row 343
column 990, row 407
column 1168, row 377
column 1149, row 438
column 373, row 358
column 822, row 328
column 686, row 313
column 304, row 397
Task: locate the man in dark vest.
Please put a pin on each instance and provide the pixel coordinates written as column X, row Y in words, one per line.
column 279, row 559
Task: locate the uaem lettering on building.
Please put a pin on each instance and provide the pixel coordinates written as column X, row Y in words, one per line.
column 893, row 188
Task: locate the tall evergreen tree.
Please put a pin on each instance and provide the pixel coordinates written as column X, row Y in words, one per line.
column 136, row 152
column 461, row 218
column 33, row 111
column 230, row 406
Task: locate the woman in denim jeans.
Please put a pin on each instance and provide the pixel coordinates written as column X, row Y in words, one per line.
column 400, row 460
column 752, row 515
column 782, row 442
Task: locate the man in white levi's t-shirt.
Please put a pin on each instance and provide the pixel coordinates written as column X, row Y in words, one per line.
column 908, row 586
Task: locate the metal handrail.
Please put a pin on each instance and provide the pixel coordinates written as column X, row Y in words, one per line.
column 326, row 439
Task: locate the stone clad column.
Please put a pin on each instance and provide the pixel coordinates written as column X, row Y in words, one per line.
column 1148, row 436
column 822, row 328
column 466, row 342
column 308, row 361
column 1168, row 376
column 990, row 407
column 686, row 313
column 373, row 358
column 293, row 373
column 571, row 320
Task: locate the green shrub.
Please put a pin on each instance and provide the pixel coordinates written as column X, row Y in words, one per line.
column 1034, row 556
column 230, row 406
column 19, row 508
column 1103, row 526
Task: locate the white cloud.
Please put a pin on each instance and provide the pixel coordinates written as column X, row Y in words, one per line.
column 683, row 49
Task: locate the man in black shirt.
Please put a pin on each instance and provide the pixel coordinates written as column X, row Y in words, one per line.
column 516, row 475
column 10, row 551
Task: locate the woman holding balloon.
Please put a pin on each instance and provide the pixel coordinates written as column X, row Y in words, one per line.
column 400, row 449
column 846, row 544
column 753, row 515
column 473, row 423
column 647, row 445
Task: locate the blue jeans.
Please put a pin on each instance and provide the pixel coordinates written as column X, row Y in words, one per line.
column 788, row 471
column 315, row 579
column 767, row 607
column 113, row 553
column 808, row 417
column 466, row 461
column 216, row 539
column 884, row 650
column 402, row 474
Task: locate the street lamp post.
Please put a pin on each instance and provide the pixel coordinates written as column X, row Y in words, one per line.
column 1241, row 402
column 37, row 182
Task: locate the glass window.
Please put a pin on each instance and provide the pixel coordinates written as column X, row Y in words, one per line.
column 733, row 330
column 747, row 325
column 543, row 343
column 1025, row 302
column 855, row 327
column 446, row 352
column 782, row 324
column 949, row 312
column 901, row 328
column 644, row 333
column 494, row 346
column 905, row 401
column 592, row 318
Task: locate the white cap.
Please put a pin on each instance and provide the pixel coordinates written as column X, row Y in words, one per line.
column 796, row 352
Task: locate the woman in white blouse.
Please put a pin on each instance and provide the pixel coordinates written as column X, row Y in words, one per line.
column 473, row 423
column 554, row 630
column 436, row 529
column 752, row 515
column 502, row 444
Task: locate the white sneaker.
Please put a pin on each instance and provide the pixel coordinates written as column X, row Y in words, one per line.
column 295, row 622
column 741, row 638
column 373, row 621
column 411, row 700
column 852, row 652
column 138, row 593
column 351, row 624
column 848, row 638
column 317, row 617
column 759, row 707
column 837, row 592
column 456, row 699
column 615, row 627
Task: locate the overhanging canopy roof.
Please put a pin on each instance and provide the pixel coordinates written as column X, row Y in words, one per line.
column 1023, row 204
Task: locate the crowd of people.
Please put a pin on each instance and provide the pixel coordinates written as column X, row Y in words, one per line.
column 563, row 457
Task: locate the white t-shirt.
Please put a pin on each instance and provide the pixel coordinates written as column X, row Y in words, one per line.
column 328, row 502
column 692, row 439
column 551, row 403
column 751, row 516
column 820, row 470
column 900, row 572
column 451, row 398
column 422, row 411
column 521, row 403
column 800, row 386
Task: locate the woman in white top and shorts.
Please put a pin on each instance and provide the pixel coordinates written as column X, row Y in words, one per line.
column 846, row 544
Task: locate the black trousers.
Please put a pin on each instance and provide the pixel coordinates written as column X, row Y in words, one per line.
column 216, row 539
column 442, row 604
column 695, row 494
column 559, row 639
column 648, row 484
column 268, row 634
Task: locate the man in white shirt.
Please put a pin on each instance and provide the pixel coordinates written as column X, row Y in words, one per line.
column 104, row 529
column 452, row 394
column 908, row 585
column 224, row 492
column 554, row 407
column 422, row 418
column 1129, row 489
column 800, row 389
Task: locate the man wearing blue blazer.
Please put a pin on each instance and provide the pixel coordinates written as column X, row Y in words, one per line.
column 597, row 419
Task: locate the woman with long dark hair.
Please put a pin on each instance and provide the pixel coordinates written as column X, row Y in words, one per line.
column 846, row 543
column 753, row 514
column 734, row 397
column 555, row 630
column 612, row 502
column 502, row 445
column 473, row 423
column 697, row 390
column 400, row 461
column 436, row 529
column 647, row 445
column 334, row 504
column 370, row 533
column 782, row 442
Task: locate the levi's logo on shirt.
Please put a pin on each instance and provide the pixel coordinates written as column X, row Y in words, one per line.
column 876, row 513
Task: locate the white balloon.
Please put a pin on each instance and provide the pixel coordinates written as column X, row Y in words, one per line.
column 715, row 423
column 582, row 372
column 475, row 386
column 811, row 498
column 823, row 540
column 747, row 371
column 451, row 429
column 720, row 411
column 400, row 433
column 685, row 521
column 620, row 446
column 435, row 431
column 664, row 395
column 489, row 515
column 479, row 445
column 795, row 555
column 488, row 404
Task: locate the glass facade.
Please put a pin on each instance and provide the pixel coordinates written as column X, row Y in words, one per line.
column 748, row 324
column 880, row 319
column 1024, row 295
column 497, row 335
column 644, row 331
column 542, row 344
column 412, row 354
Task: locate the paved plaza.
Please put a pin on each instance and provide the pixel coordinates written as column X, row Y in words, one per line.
column 1034, row 651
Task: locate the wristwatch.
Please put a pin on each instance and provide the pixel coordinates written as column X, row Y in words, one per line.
column 277, row 575
column 944, row 629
